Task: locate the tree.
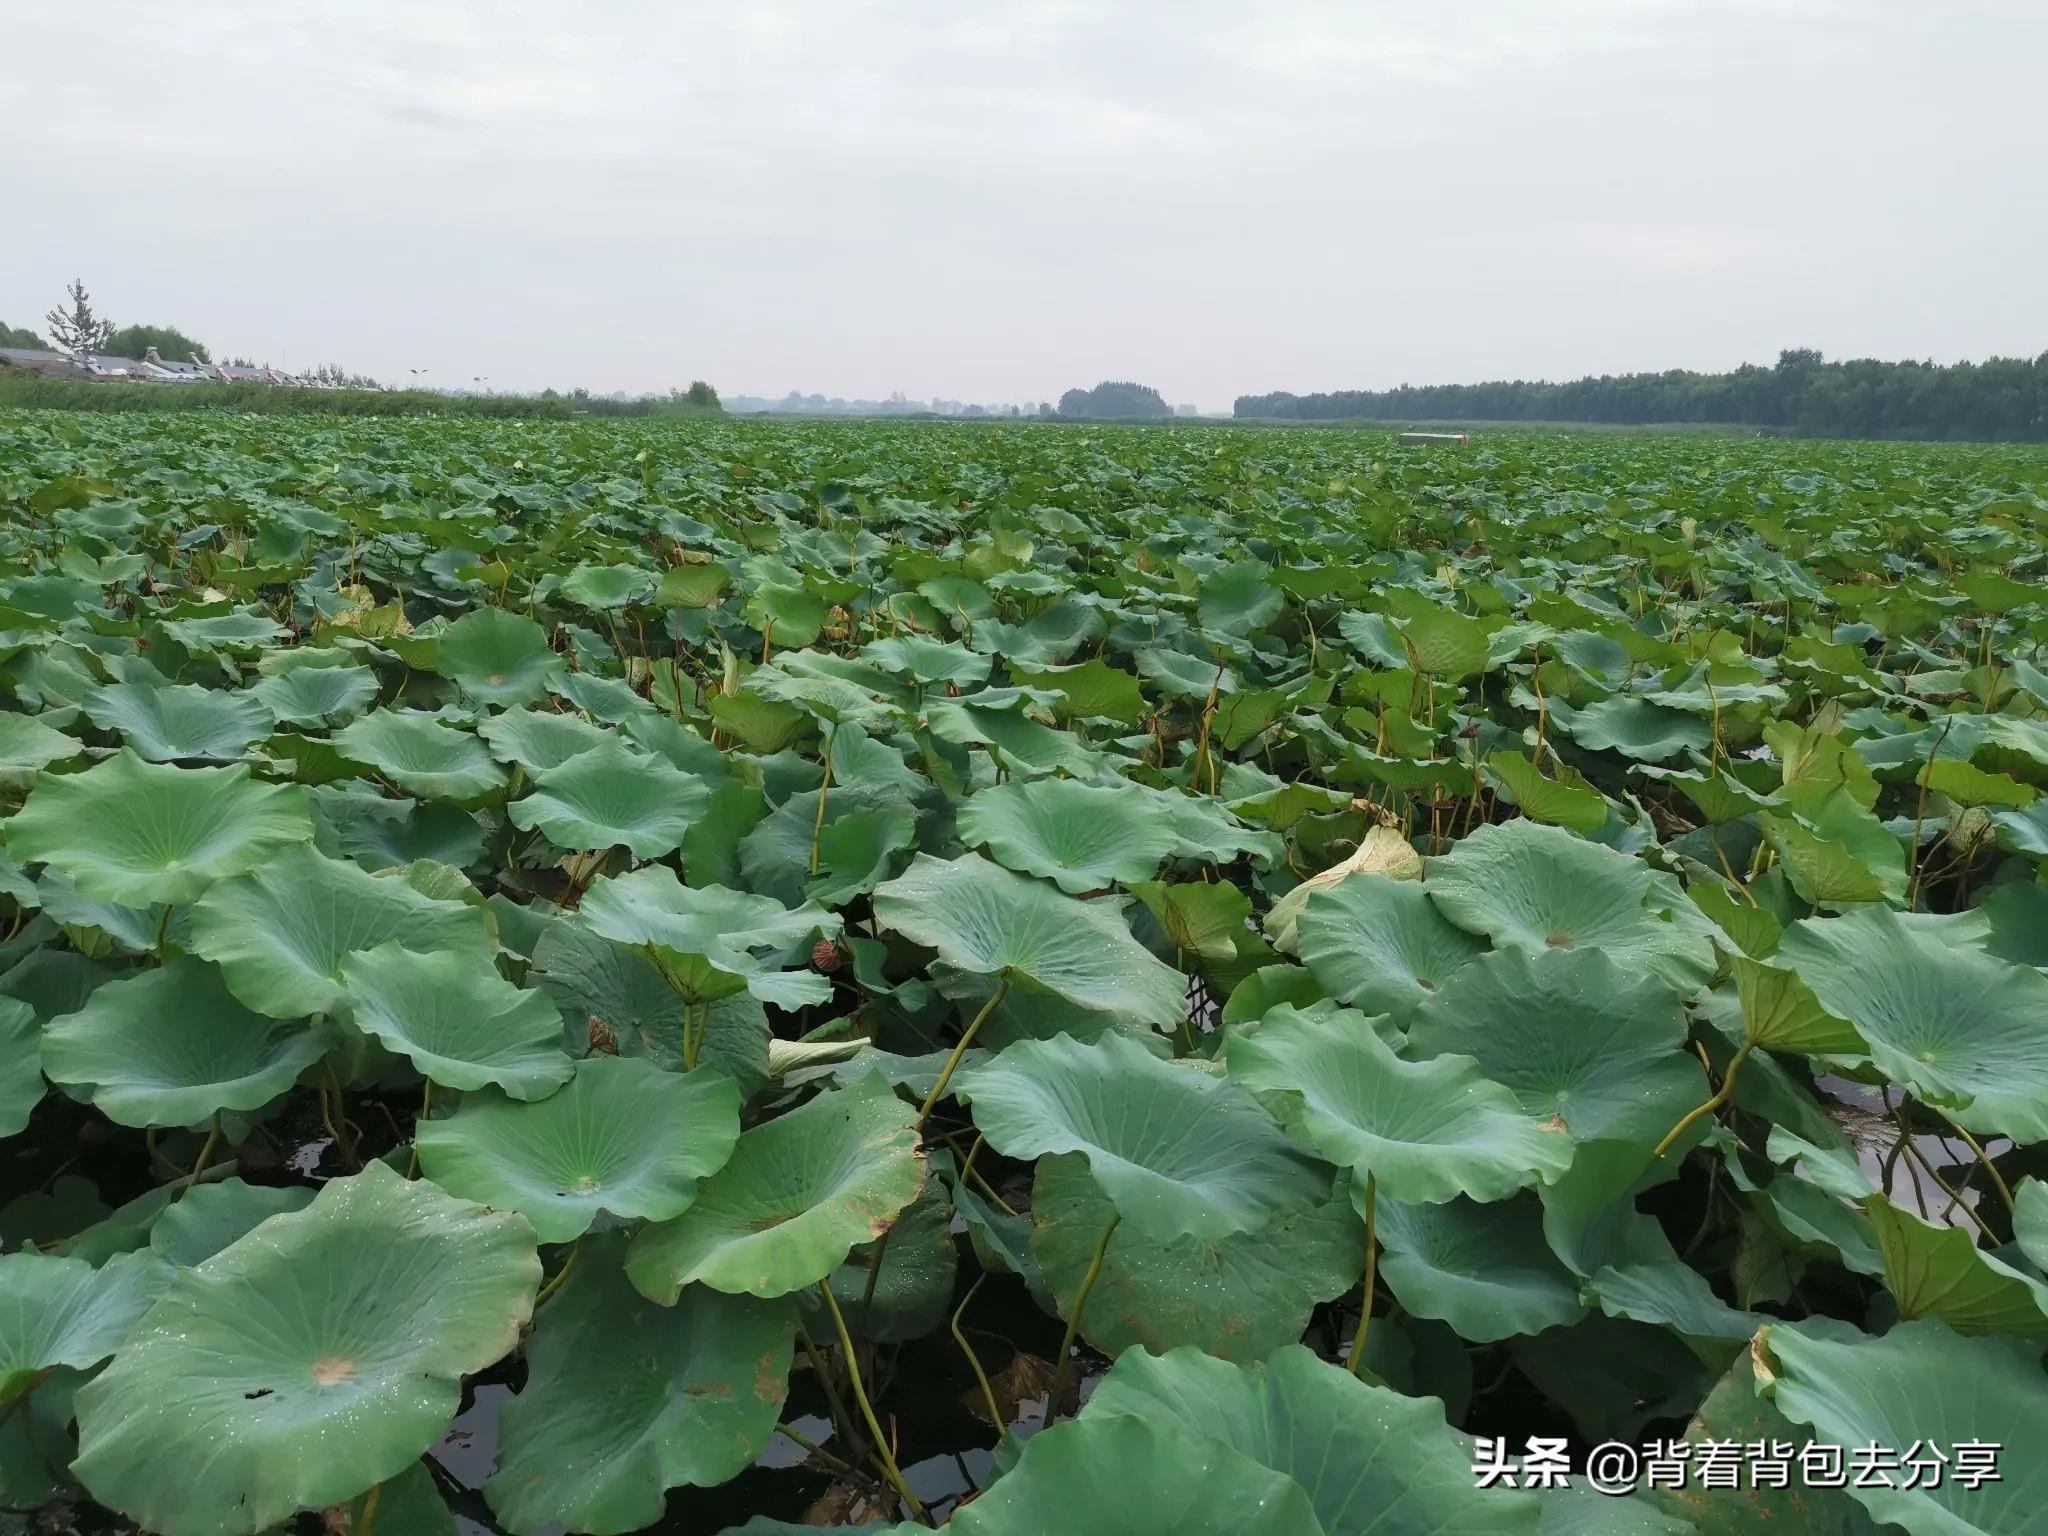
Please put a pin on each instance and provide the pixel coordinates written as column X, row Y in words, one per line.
column 78, row 331
column 19, row 336
column 1115, row 399
column 702, row 395
column 172, row 344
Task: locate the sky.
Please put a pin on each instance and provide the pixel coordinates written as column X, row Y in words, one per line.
column 986, row 202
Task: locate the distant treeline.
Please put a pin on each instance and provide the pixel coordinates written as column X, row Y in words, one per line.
column 2004, row 399
column 19, row 388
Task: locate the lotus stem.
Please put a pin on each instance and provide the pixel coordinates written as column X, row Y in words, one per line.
column 1997, row 1178
column 824, row 793
column 1356, row 1359
column 163, row 927
column 412, row 1166
column 560, row 1275
column 867, row 1295
column 840, row 1417
column 1721, row 1096
column 886, row 1456
column 812, row 1448
column 966, row 1039
column 205, row 1155
column 988, row 1393
column 368, row 1522
column 1062, row 1370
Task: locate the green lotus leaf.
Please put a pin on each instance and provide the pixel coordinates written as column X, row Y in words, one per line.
column 1081, row 837
column 137, row 833
column 28, row 746
column 1533, row 887
column 1735, row 1413
column 498, row 657
column 422, row 754
column 986, row 919
column 1426, row 1131
column 622, row 1136
column 319, row 1355
column 1947, row 1021
column 625, row 1400
column 1369, row 1459
column 1179, row 1152
column 1637, row 729
column 165, row 724
column 540, row 739
column 1093, row 689
column 461, row 1023
column 316, row 695
column 1121, row 1473
column 614, row 993
column 243, row 630
column 1921, row 1384
column 1442, row 642
column 931, row 662
column 1240, row 598
column 1779, row 1011
column 1380, row 944
column 1238, row 1297
column 171, row 1046
column 1571, row 1035
column 21, row 1069
column 709, row 924
column 1672, row 1296
column 1567, row 801
column 2030, row 1221
column 797, row 1195
column 692, row 586
column 62, row 1312
column 1937, row 1271
column 775, row 855
column 380, row 834
column 409, row 1504
column 137, row 930
column 612, row 796
column 1484, row 1269
column 282, row 934
column 858, row 852
column 913, row 1291
column 607, row 586
column 1837, row 854
column 208, row 1217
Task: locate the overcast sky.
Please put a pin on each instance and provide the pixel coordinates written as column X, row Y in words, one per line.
column 997, row 202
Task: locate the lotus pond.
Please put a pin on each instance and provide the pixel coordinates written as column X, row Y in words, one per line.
column 1034, row 979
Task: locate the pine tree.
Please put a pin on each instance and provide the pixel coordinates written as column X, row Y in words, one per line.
column 79, row 332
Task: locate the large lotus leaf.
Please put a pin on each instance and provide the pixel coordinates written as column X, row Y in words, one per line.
column 1081, row 837
column 421, row 753
column 138, row 833
column 282, row 933
column 540, row 739
column 1572, row 1035
column 1527, row 886
column 137, row 930
column 775, row 855
column 1921, row 1384
column 170, row 1046
column 381, row 834
column 931, row 662
column 165, row 724
column 21, row 1070
column 316, row 695
column 609, row 993
column 1668, row 1293
column 856, row 853
column 62, row 1312
column 1239, row 1297
column 652, row 908
column 607, row 586
column 1426, row 1131
column 913, row 1291
column 1484, row 1269
column 797, row 1195
column 613, row 796
column 625, row 1400
column 208, row 1217
column 981, row 917
column 1947, row 1021
column 1120, row 1473
column 322, row 1353
column 2030, row 1221
column 1370, row 1460
column 1179, row 1152
column 1381, row 945
column 461, row 1023
column 622, row 1136
column 498, row 657
column 1937, row 1271
column 1638, row 729
column 1735, row 1413
column 28, row 746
